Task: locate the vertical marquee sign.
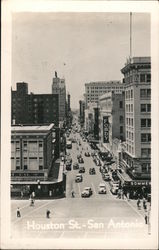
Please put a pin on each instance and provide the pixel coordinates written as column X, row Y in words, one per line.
column 105, row 129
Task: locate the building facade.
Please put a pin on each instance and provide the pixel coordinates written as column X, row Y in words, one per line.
column 33, row 108
column 94, row 90
column 81, row 112
column 35, row 166
column 137, row 156
column 59, row 88
column 111, row 118
column 32, row 151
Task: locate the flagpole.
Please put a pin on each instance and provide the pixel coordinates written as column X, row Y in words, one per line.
column 130, row 35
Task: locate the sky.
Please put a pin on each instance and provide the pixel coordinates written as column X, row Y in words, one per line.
column 81, row 47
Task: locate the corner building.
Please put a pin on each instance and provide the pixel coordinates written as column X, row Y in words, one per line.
column 137, row 155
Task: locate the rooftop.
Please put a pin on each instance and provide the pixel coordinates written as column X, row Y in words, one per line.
column 32, row 127
column 101, row 83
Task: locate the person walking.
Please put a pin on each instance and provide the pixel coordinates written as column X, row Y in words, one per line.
column 18, row 212
column 138, row 203
column 146, row 217
column 48, row 213
column 144, row 202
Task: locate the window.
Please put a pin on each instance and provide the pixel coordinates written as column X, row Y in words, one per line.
column 146, row 152
column 121, row 104
column 132, row 122
column 142, row 78
column 148, row 107
column 17, row 167
column 143, row 108
column 148, row 77
column 143, row 93
column 25, row 167
column 143, row 137
column 40, row 167
column 121, row 119
column 131, row 93
column 131, row 107
column 143, row 123
column 149, row 93
column 149, row 123
column 121, row 129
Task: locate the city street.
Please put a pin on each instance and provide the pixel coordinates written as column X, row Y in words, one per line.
column 99, row 216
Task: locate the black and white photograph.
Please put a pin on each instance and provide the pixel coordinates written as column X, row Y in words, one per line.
column 79, row 125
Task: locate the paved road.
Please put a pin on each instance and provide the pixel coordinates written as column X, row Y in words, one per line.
column 100, row 216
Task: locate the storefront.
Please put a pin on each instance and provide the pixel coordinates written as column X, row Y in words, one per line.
column 135, row 188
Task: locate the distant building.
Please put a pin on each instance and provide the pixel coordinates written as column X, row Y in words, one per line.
column 59, row 87
column 68, row 111
column 94, row 90
column 112, row 118
column 91, row 124
column 137, row 155
column 33, row 108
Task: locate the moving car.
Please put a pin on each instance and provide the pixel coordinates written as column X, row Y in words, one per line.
column 75, row 166
column 102, row 188
column 69, row 144
column 79, row 156
column 92, row 171
column 106, row 177
column 80, row 160
column 78, row 178
column 87, row 154
column 82, row 169
column 87, row 192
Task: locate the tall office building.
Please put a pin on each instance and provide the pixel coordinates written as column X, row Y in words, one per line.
column 137, row 78
column 33, row 109
column 94, row 90
column 58, row 87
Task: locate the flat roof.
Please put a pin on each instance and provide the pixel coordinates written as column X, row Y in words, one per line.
column 31, row 128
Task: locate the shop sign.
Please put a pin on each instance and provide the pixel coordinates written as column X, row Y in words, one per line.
column 140, row 183
column 105, row 129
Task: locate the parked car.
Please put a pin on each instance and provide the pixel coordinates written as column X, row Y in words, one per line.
column 114, row 187
column 92, row 171
column 102, row 188
column 75, row 166
column 68, row 165
column 81, row 169
column 78, row 178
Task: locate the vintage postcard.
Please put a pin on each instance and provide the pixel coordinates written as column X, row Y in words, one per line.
column 79, row 125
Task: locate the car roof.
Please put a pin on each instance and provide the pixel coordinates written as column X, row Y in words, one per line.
column 102, row 184
column 87, row 187
column 78, row 175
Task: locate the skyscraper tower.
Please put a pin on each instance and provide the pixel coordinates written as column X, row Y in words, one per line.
column 59, row 87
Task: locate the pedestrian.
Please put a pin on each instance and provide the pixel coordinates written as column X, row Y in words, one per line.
column 33, row 194
column 146, row 217
column 48, row 213
column 18, row 212
column 122, row 194
column 138, row 203
column 128, row 196
column 144, row 202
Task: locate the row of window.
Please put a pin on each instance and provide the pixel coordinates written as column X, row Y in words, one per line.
column 146, row 137
column 135, row 78
column 130, row 135
column 25, row 167
column 145, row 152
column 130, row 122
column 146, row 167
column 129, row 94
column 129, row 107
